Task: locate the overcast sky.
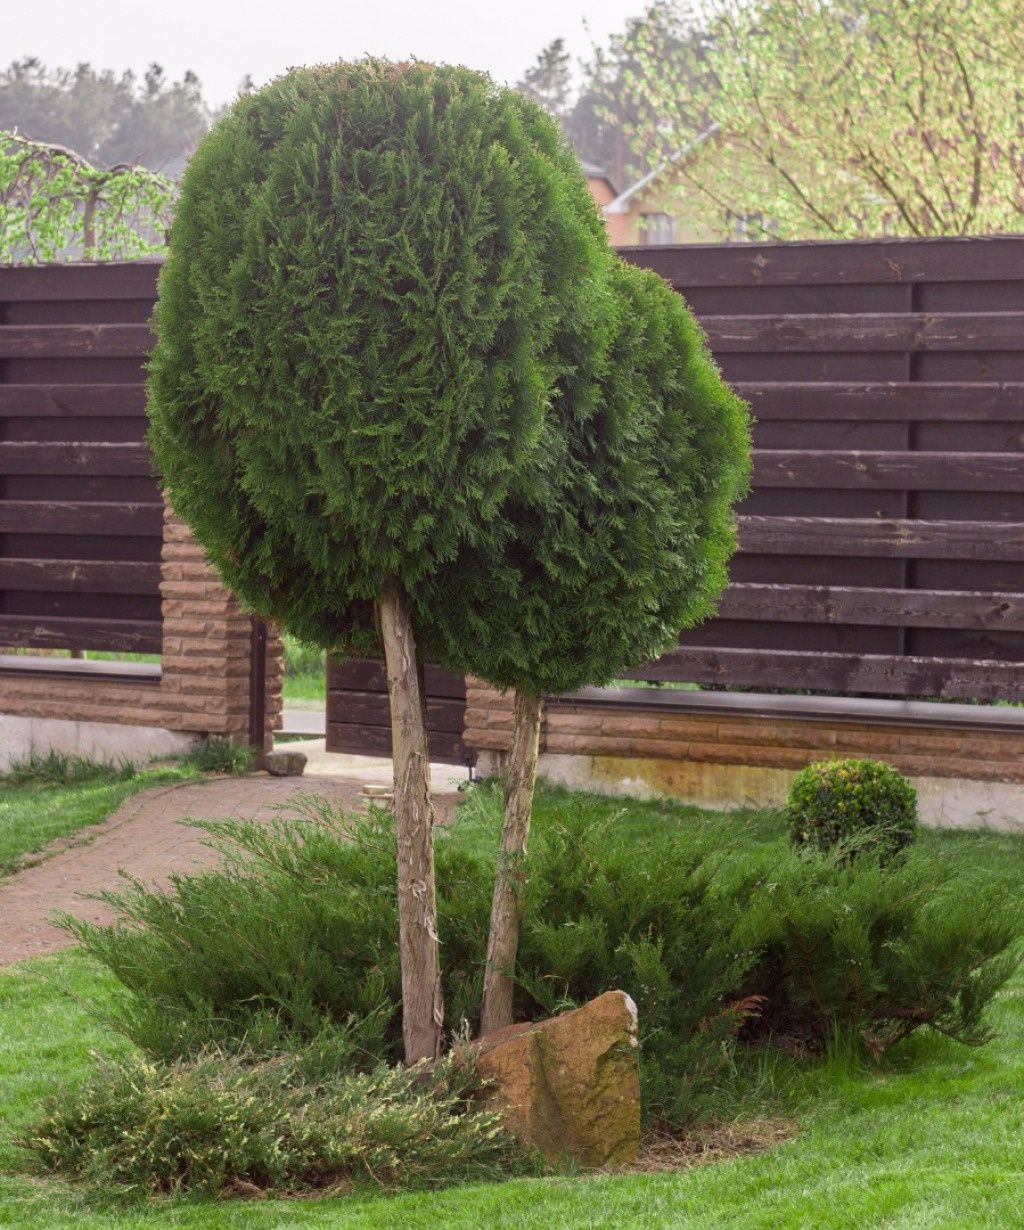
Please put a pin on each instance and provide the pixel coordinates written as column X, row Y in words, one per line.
column 222, row 40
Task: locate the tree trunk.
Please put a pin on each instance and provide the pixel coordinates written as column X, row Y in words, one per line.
column 510, row 882
column 422, row 1003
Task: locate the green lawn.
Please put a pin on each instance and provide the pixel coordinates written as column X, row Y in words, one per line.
column 305, row 679
column 34, row 813
column 934, row 1140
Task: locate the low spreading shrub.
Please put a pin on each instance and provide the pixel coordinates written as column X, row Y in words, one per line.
column 226, row 1124
column 297, row 933
column 856, row 804
column 874, row 951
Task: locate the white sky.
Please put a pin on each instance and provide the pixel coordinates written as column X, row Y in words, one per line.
column 221, row 40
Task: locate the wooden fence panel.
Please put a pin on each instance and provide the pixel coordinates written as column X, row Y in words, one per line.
column 882, row 545
column 81, row 518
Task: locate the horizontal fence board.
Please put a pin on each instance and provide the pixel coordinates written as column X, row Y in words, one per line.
column 372, row 709
column 812, row 401
column 72, row 400
column 376, row 741
column 836, row 332
column 64, row 632
column 365, row 675
column 850, row 673
column 893, row 539
column 997, row 258
column 860, row 469
column 80, row 281
column 75, row 341
column 80, row 576
column 837, row 604
column 100, row 459
column 99, row 518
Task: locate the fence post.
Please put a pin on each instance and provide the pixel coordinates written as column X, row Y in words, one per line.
column 258, row 685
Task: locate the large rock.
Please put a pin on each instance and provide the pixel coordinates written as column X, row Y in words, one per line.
column 570, row 1085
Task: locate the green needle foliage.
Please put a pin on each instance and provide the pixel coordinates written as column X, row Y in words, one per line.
column 621, row 527
column 393, row 338
column 378, row 276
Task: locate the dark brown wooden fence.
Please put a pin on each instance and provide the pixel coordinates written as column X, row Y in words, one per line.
column 80, row 515
column 358, row 718
column 882, row 547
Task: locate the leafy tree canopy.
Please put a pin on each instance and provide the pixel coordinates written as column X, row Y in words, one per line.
column 840, row 118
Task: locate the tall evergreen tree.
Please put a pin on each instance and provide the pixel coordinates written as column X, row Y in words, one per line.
column 548, row 81
column 107, row 118
column 361, row 328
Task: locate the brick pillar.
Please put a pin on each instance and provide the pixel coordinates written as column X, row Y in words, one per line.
column 206, row 646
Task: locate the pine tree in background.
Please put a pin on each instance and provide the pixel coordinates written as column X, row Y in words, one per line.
column 108, row 118
column 548, row 81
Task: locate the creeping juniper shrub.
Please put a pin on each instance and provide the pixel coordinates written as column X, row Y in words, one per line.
column 228, row 1124
column 855, row 804
column 295, row 939
column 872, row 951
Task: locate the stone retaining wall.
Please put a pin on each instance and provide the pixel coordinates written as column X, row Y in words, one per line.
column 966, row 775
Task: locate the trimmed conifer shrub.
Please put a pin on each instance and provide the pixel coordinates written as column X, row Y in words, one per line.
column 381, row 278
column 360, row 325
column 854, row 804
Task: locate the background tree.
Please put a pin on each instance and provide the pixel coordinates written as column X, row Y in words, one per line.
column 840, row 119
column 548, row 82
column 108, row 118
column 55, row 204
column 622, row 525
column 379, row 279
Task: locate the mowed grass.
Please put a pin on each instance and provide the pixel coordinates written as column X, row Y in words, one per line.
column 34, row 813
column 933, row 1139
column 305, row 674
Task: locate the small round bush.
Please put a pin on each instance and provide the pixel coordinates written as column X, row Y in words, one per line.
column 855, row 803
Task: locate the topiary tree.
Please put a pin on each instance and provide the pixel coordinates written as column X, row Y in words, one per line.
column 622, row 525
column 853, row 804
column 379, row 279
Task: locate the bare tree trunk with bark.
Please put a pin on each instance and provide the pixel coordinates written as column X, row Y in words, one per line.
column 422, row 1002
column 510, row 882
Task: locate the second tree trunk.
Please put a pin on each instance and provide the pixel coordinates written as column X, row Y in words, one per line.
column 422, row 1002
column 510, row 882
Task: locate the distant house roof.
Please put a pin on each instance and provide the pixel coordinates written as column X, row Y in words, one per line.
column 621, row 203
column 592, row 171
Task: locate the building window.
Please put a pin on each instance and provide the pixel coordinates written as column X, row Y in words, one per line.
column 657, row 228
column 753, row 228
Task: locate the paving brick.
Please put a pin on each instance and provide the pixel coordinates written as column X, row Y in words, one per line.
column 146, row 838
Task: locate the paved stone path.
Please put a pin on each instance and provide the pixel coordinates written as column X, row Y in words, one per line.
column 147, row 839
